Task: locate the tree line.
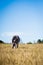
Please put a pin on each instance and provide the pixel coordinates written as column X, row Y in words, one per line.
column 38, row 41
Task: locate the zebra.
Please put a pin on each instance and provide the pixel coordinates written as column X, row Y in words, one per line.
column 15, row 41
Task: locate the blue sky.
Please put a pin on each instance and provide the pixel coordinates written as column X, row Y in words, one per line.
column 21, row 17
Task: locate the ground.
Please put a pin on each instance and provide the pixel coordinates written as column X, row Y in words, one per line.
column 26, row 54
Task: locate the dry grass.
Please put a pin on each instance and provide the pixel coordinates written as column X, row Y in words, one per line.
column 26, row 54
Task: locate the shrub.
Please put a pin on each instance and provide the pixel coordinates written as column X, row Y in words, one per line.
column 40, row 41
column 1, row 41
column 29, row 43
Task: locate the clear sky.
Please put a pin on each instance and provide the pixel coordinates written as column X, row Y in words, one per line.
column 21, row 17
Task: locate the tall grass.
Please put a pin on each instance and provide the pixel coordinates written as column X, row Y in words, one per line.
column 26, row 54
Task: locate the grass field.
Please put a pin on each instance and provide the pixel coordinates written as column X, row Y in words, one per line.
column 26, row 54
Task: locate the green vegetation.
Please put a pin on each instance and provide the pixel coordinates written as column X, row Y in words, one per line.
column 40, row 41
column 26, row 54
column 29, row 43
column 1, row 42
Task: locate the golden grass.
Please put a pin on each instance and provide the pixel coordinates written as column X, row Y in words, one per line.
column 26, row 54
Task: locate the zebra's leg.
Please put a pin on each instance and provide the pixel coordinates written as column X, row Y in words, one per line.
column 17, row 45
column 13, row 45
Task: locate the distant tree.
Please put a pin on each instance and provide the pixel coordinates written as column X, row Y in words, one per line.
column 1, row 41
column 29, row 43
column 42, row 41
column 39, row 41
